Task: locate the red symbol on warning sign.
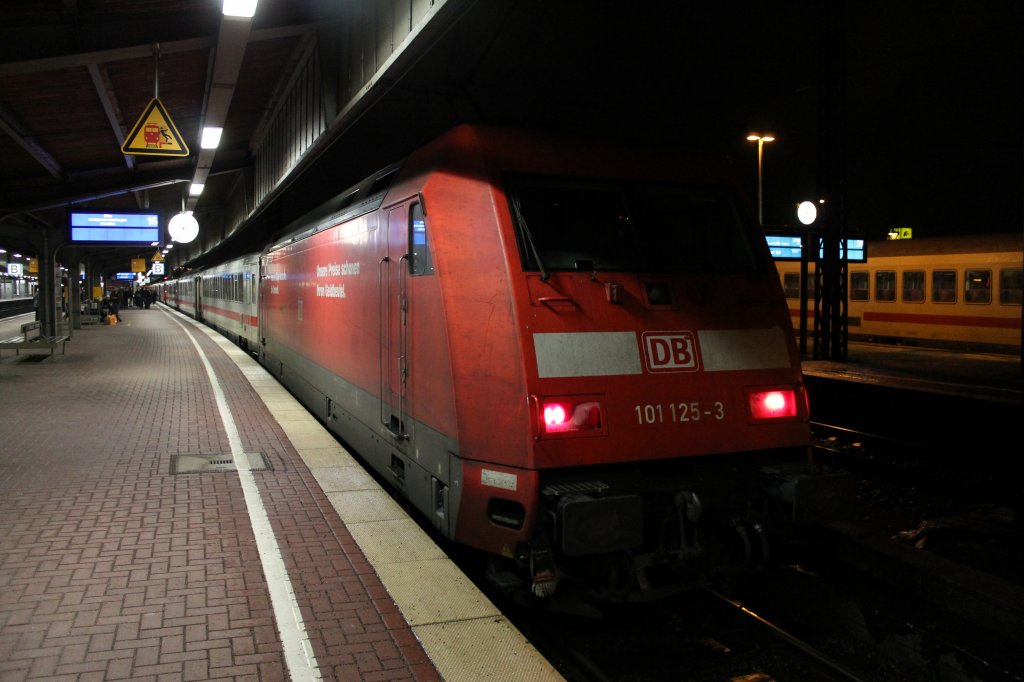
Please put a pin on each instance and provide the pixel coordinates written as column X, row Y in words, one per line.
column 151, row 133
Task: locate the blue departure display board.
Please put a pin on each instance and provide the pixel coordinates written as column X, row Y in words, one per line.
column 115, row 228
column 784, row 247
column 788, row 247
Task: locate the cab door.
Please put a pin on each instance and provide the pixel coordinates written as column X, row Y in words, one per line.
column 199, row 298
column 394, row 345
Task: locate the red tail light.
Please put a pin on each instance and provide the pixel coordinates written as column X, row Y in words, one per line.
column 773, row 403
column 569, row 415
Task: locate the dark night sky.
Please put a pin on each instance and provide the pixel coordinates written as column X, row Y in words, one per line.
column 933, row 117
column 933, row 101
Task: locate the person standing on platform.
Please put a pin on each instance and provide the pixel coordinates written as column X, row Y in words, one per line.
column 35, row 301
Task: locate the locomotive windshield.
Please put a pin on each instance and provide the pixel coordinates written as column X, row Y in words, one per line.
column 619, row 226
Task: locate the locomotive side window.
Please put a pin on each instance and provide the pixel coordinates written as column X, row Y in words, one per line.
column 978, row 286
column 858, row 286
column 571, row 224
column 1010, row 283
column 944, row 286
column 913, row 286
column 420, row 260
column 885, row 285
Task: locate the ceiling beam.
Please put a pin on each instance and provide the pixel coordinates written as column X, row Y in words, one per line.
column 105, row 91
column 35, row 66
column 18, row 132
column 227, row 64
column 137, row 184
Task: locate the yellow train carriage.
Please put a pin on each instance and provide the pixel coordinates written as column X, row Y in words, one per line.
column 962, row 292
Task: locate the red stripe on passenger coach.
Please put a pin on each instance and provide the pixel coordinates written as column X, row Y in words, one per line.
column 223, row 312
column 951, row 320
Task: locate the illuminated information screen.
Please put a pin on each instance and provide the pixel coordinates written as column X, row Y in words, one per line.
column 121, row 228
column 787, row 247
column 784, row 247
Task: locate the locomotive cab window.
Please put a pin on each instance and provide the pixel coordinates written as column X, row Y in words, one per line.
column 421, row 261
column 572, row 224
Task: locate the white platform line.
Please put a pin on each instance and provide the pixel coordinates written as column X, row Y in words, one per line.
column 298, row 651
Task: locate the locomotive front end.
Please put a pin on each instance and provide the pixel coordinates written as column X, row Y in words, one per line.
column 669, row 421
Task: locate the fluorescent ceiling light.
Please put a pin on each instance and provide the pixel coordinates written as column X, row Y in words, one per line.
column 211, row 137
column 239, row 8
column 196, row 189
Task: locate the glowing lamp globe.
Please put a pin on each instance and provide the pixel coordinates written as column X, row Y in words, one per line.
column 183, row 228
column 807, row 212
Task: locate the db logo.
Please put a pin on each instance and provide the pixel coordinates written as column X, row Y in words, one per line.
column 671, row 352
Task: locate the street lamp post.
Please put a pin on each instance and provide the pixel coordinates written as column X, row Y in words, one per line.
column 760, row 139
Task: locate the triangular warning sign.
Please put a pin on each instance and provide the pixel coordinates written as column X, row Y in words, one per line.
column 155, row 134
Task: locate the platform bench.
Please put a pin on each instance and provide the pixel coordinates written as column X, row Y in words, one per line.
column 30, row 340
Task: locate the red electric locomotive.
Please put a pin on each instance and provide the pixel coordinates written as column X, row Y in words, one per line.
column 575, row 358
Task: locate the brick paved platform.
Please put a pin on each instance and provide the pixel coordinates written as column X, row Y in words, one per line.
column 113, row 567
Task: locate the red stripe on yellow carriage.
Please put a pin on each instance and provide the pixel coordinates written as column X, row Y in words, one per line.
column 946, row 320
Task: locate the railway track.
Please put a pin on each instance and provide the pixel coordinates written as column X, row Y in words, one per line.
column 703, row 635
column 928, row 478
column 815, row 619
column 820, row 663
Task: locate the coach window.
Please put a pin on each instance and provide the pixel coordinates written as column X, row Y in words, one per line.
column 913, row 286
column 791, row 284
column 978, row 286
column 858, row 286
column 420, row 262
column 885, row 285
column 1010, row 283
column 944, row 286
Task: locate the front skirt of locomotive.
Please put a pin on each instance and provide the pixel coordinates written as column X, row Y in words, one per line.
column 636, row 534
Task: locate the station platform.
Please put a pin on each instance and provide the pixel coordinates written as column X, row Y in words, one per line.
column 169, row 512
column 987, row 376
